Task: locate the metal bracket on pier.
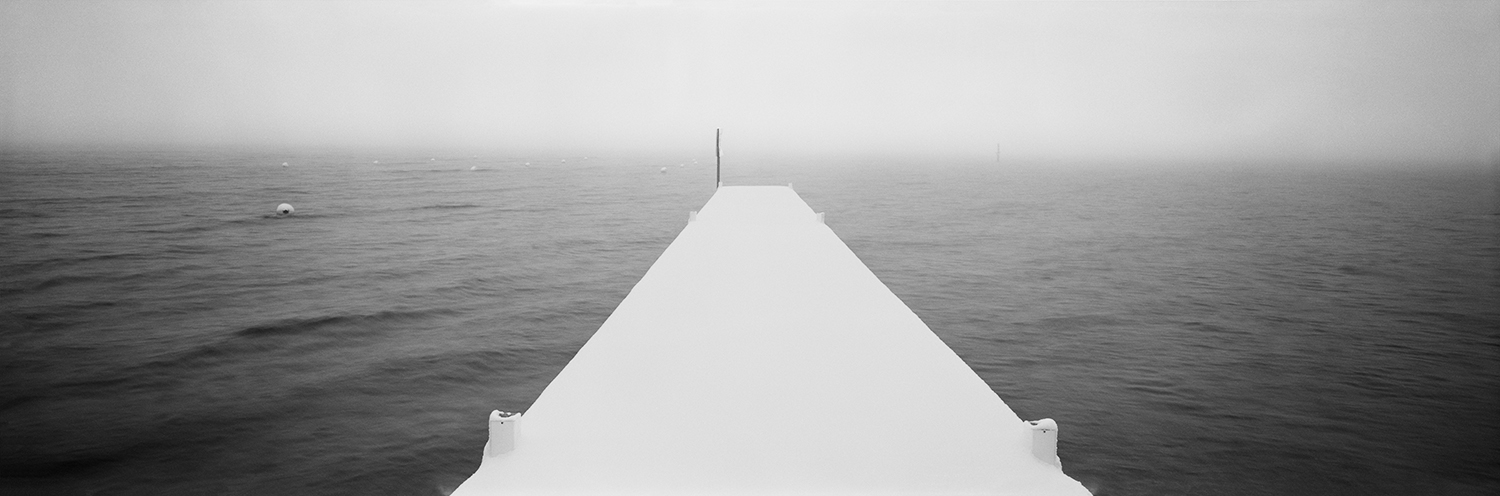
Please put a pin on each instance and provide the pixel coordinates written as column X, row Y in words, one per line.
column 502, row 432
column 692, row 216
column 820, row 217
column 1044, row 441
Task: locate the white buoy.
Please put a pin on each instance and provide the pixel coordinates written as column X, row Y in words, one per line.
column 283, row 164
column 285, row 209
column 472, row 168
column 663, row 170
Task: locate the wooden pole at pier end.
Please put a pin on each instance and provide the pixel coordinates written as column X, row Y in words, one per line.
column 718, row 180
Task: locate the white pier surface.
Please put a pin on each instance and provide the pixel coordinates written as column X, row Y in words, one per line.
column 759, row 356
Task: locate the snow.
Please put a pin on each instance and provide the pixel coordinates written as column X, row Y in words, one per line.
column 758, row 355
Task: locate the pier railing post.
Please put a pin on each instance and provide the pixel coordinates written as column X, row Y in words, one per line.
column 1044, row 441
column 502, row 433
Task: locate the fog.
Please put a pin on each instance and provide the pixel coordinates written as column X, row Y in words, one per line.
column 1090, row 81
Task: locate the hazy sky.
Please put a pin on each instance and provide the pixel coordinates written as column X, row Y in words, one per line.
column 1297, row 80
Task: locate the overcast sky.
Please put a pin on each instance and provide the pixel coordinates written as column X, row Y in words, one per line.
column 1300, row 80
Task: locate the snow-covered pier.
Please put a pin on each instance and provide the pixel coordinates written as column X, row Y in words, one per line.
column 758, row 355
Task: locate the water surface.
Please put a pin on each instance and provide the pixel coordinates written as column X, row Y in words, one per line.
column 1194, row 329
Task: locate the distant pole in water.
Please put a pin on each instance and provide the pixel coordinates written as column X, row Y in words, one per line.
column 718, row 180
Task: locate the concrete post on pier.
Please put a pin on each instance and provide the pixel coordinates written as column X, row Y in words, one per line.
column 502, row 433
column 1044, row 441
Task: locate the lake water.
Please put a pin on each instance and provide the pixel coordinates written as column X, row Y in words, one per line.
column 1193, row 329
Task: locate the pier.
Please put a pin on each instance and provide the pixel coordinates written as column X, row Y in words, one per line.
column 759, row 355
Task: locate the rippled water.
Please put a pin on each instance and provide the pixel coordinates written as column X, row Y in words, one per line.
column 1194, row 330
